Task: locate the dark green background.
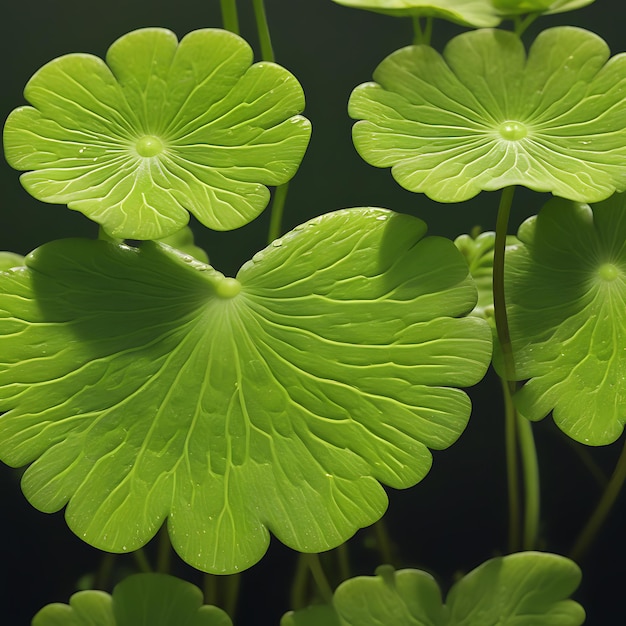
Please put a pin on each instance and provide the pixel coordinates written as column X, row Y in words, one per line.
column 453, row 520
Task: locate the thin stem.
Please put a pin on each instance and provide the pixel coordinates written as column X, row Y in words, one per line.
column 383, row 542
column 210, row 589
column 267, row 52
column 521, row 24
column 230, row 18
column 428, row 31
column 142, row 562
column 499, row 302
column 418, row 33
column 313, row 561
column 528, row 452
column 104, row 571
column 510, row 438
column 164, row 552
column 613, row 488
column 530, row 467
column 231, row 594
column 343, row 557
column 299, row 585
column 278, row 208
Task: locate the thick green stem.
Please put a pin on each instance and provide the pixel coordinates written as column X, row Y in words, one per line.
column 512, row 475
column 231, row 593
column 522, row 23
column 528, row 452
column 612, row 491
column 278, row 208
column 383, row 542
column 343, row 558
column 267, row 52
column 230, row 19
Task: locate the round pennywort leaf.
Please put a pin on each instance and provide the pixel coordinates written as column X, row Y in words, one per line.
column 485, row 116
column 566, row 301
column 160, row 130
column 143, row 385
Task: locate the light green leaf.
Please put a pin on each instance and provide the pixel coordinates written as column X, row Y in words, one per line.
column 163, row 129
column 477, row 13
column 316, row 615
column 143, row 599
column 147, row 385
column 517, row 7
column 529, row 589
column 483, row 116
column 566, row 293
column 9, row 260
column 183, row 241
column 478, row 253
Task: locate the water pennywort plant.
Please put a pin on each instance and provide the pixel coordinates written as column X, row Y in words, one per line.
column 146, row 391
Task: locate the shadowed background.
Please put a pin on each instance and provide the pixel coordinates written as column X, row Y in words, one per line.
column 454, row 519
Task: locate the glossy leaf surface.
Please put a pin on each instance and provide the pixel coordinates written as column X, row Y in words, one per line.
column 162, row 129
column 517, row 7
column 484, row 116
column 479, row 13
column 145, row 385
column 528, row 588
column 566, row 294
column 154, row 599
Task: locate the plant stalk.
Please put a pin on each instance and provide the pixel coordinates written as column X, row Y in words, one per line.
column 326, row 592
column 512, row 474
column 142, row 562
column 422, row 35
column 267, row 52
column 597, row 519
column 164, row 551
column 528, row 453
column 277, row 211
column 230, row 18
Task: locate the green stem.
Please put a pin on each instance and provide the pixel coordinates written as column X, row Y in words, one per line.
column 510, row 438
column 267, row 52
column 164, row 552
column 313, row 561
column 528, row 452
column 299, row 585
column 230, row 18
column 499, row 302
column 278, row 208
column 210, row 589
column 383, row 542
column 142, row 561
column 231, row 594
column 422, row 35
column 530, row 467
column 521, row 24
column 343, row 558
column 613, row 488
column 104, row 571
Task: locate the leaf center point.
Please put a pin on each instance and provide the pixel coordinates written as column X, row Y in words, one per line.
column 512, row 130
column 227, row 287
column 608, row 272
column 149, row 146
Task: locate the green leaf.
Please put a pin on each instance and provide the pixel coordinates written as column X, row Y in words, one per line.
column 9, row 260
column 477, row 13
column 528, row 588
column 150, row 599
column 163, row 129
column 316, row 615
column 478, row 253
column 183, row 241
column 147, row 385
column 566, row 289
column 483, row 116
column 518, row 7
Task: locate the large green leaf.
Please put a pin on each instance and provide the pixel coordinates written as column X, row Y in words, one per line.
column 529, row 589
column 467, row 12
column 483, row 116
column 140, row 600
column 566, row 294
column 147, row 385
column 517, row 7
column 163, row 129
